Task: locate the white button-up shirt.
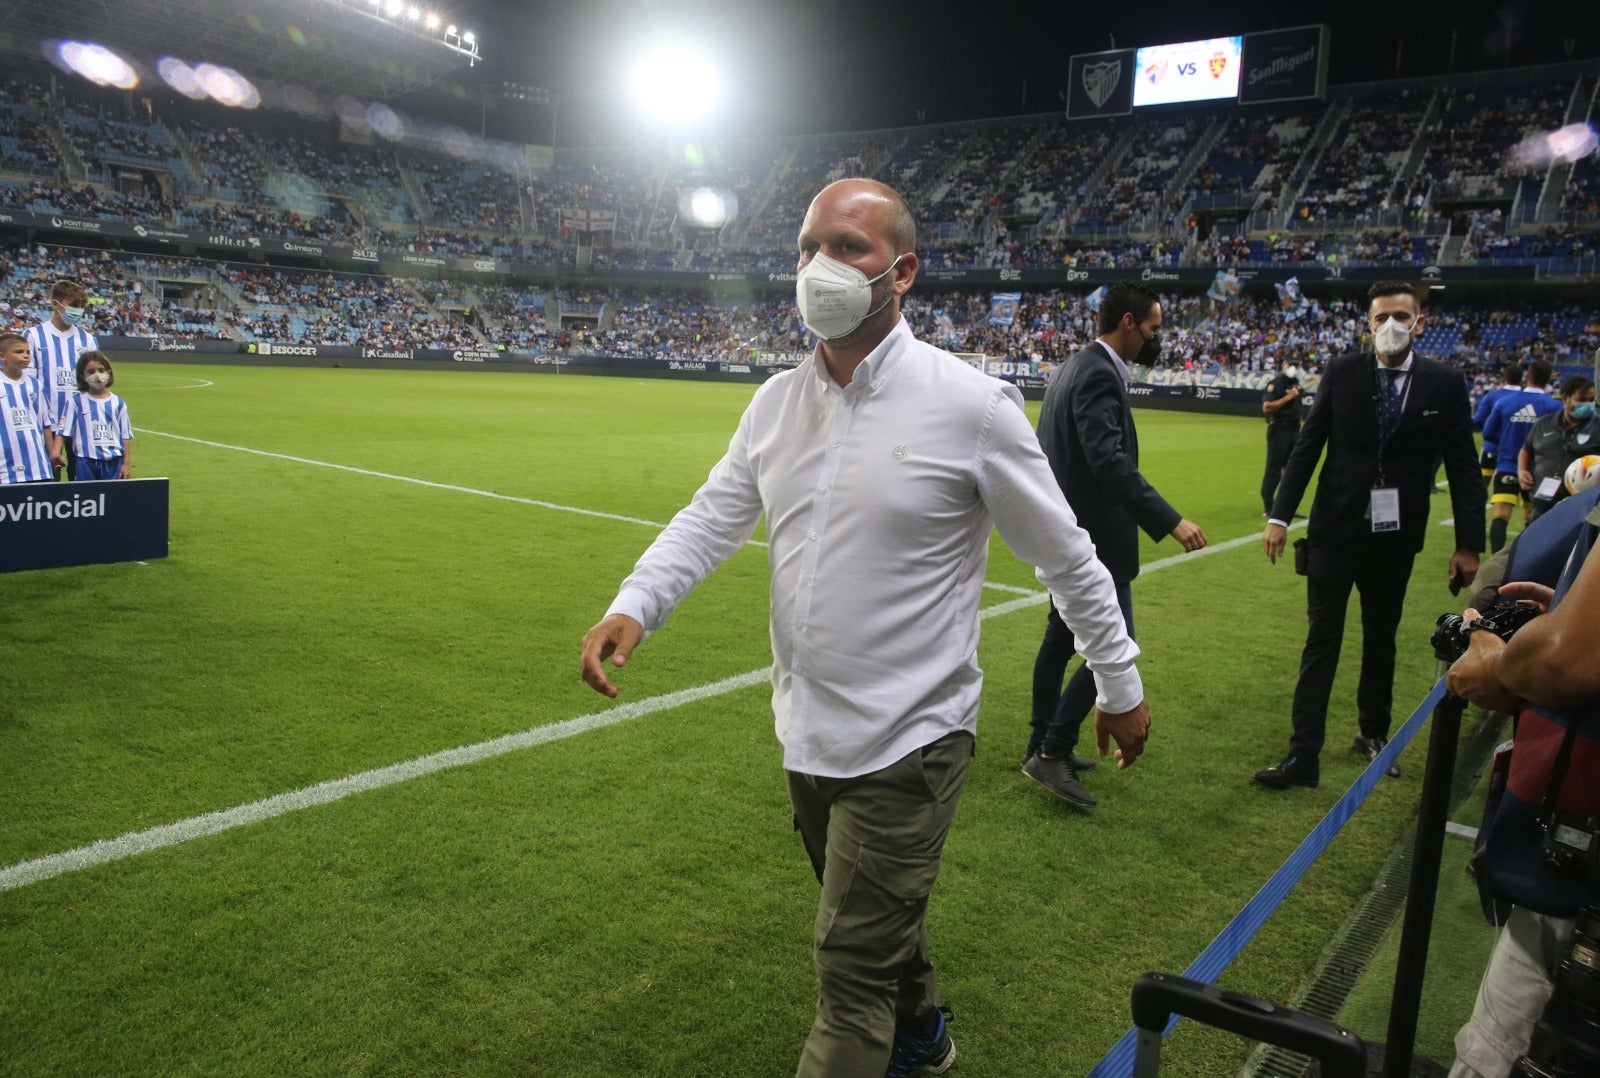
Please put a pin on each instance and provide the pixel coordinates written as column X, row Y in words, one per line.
column 879, row 498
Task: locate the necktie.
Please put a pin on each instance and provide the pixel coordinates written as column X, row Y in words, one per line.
column 1389, row 402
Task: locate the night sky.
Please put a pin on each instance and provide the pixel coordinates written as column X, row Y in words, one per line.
column 829, row 65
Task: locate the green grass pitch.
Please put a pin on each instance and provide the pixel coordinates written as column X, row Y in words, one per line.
column 630, row 899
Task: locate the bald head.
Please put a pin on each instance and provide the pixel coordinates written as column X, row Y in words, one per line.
column 876, row 204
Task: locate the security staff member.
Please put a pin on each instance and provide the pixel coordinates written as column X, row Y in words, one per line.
column 1281, row 405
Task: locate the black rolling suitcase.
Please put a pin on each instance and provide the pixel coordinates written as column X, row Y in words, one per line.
column 1159, row 996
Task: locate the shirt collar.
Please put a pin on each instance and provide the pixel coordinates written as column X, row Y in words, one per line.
column 1405, row 364
column 1121, row 364
column 879, row 364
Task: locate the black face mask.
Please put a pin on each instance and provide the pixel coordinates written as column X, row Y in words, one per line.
column 1150, row 351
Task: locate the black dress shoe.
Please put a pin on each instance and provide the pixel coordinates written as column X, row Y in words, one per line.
column 1370, row 747
column 1290, row 771
column 1060, row 778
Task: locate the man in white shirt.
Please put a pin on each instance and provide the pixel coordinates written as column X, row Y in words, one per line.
column 881, row 464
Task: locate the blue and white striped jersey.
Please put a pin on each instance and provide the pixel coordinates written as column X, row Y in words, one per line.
column 97, row 427
column 55, row 359
column 22, row 454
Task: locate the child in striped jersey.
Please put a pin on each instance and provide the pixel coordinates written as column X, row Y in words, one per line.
column 29, row 449
column 96, row 421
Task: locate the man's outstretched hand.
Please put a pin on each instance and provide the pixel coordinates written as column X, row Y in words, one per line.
column 1129, row 729
column 614, row 638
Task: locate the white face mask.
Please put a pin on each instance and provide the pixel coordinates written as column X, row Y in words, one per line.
column 97, row 379
column 833, row 297
column 1392, row 338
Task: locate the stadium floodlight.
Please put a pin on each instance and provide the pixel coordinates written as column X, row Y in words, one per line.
column 96, row 63
column 409, row 16
column 226, row 86
column 707, row 208
column 676, row 86
column 181, row 77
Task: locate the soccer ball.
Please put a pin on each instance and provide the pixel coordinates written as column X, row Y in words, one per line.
column 1583, row 473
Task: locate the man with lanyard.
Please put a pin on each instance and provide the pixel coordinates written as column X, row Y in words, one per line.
column 1384, row 417
column 1555, row 441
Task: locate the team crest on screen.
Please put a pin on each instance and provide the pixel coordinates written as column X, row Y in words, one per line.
column 1219, row 64
column 1099, row 80
column 1153, row 72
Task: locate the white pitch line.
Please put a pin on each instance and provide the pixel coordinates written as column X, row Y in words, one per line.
column 211, row 823
column 409, row 479
column 137, row 842
column 1012, row 588
column 199, row 383
column 1453, row 828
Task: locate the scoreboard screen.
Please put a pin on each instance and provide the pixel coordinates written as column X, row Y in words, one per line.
column 1187, row 71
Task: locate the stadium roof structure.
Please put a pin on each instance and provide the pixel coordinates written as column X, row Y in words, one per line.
column 326, row 46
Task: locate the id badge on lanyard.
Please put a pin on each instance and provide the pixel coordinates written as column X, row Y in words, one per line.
column 1385, row 509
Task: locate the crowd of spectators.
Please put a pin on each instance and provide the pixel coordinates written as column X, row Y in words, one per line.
column 1132, row 195
column 969, row 185
column 98, row 139
column 1253, row 157
column 234, row 168
column 1358, row 170
column 1467, row 154
column 195, row 299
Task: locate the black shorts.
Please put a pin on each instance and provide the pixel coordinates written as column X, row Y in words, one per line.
column 1506, row 490
column 1486, row 461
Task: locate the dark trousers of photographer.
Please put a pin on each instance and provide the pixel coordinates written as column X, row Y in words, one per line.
column 1379, row 568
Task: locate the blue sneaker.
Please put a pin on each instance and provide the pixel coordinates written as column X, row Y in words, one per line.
column 914, row 1055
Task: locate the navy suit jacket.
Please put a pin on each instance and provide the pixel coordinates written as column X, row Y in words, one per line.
column 1086, row 430
column 1437, row 421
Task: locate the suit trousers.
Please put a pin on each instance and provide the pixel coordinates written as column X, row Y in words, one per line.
column 1058, row 713
column 875, row 842
column 1280, row 443
column 1379, row 568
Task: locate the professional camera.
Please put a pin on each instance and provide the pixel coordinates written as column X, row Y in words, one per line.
column 1566, row 1042
column 1572, row 848
column 1452, row 633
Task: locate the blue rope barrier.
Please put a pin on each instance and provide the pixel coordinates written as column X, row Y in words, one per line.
column 1208, row 966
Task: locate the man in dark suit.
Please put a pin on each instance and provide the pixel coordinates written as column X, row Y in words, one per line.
column 1384, row 417
column 1086, row 430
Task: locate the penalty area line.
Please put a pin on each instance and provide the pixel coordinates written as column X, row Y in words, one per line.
column 106, row 851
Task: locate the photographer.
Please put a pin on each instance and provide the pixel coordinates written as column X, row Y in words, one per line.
column 1541, row 852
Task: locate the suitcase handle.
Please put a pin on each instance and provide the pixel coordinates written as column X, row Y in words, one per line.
column 1158, row 996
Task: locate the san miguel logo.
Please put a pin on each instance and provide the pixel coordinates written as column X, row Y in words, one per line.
column 1100, row 80
column 1219, row 64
